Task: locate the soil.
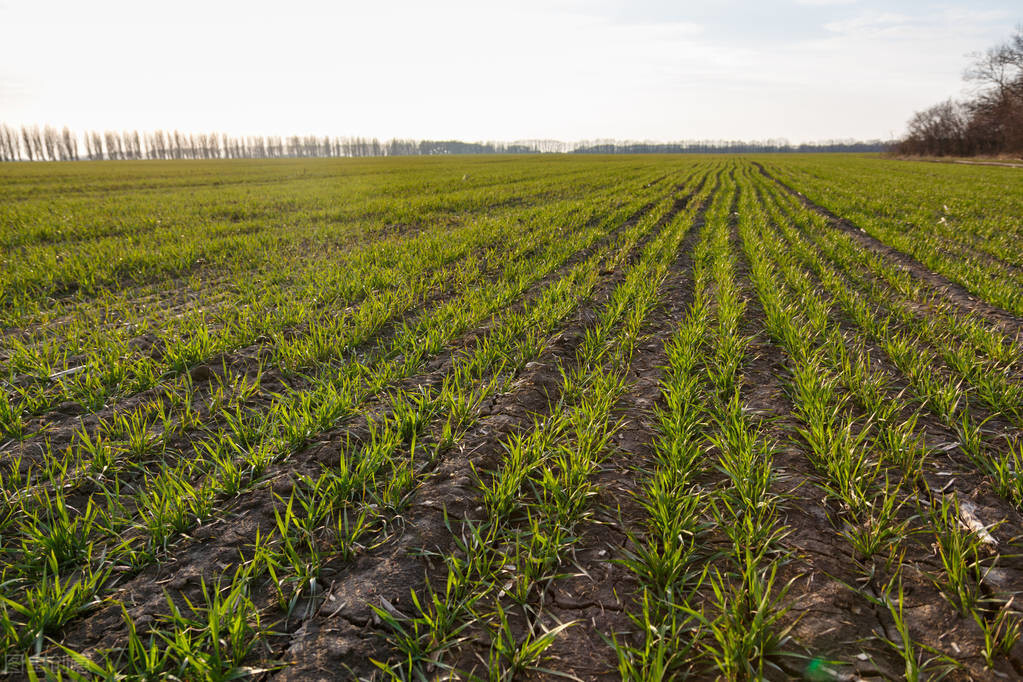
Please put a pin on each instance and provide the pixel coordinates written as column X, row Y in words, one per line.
column 832, row 604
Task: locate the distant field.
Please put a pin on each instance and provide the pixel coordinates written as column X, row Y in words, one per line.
column 630, row 417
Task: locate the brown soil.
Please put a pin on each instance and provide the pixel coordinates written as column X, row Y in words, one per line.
column 389, row 570
column 333, row 633
column 953, row 291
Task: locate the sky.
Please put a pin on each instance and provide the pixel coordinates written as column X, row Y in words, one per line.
column 801, row 70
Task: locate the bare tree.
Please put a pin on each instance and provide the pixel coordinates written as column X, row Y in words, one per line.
column 9, row 144
column 28, row 139
column 70, row 143
column 991, row 122
column 997, row 110
column 95, row 145
column 939, row 130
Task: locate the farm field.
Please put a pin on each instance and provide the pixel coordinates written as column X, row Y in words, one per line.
column 597, row 418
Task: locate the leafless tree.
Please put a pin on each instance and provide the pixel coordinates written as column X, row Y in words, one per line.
column 991, row 122
column 10, row 146
column 939, row 130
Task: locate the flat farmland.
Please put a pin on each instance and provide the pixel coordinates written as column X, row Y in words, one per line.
column 512, row 418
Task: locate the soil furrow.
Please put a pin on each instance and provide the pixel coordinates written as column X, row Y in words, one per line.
column 200, row 559
column 953, row 291
column 828, row 571
column 598, row 592
column 828, row 618
column 450, row 492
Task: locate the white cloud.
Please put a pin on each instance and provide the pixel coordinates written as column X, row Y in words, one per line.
column 870, row 24
column 825, row 3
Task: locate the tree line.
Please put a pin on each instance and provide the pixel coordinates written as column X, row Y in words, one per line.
column 32, row 143
column 47, row 143
column 726, row 147
column 988, row 123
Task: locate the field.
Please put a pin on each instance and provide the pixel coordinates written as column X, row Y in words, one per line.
column 632, row 417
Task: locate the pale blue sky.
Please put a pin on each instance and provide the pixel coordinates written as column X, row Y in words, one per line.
column 474, row 70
